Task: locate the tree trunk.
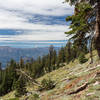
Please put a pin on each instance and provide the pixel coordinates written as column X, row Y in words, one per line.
column 97, row 35
column 91, row 54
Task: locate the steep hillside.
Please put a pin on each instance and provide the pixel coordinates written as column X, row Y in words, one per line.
column 73, row 82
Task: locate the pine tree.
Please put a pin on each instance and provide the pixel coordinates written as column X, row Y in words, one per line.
column 21, row 64
column 81, row 26
column 20, row 87
column 0, row 74
column 95, row 13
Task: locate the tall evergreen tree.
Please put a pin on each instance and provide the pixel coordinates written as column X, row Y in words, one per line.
column 82, row 27
column 96, row 8
column 20, row 87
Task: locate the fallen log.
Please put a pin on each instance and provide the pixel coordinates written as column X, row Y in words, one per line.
column 33, row 81
column 81, row 88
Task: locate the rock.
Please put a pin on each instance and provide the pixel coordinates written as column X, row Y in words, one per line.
column 89, row 94
column 96, row 83
column 29, row 93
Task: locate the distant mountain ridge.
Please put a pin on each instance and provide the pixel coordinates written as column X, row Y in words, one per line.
column 8, row 53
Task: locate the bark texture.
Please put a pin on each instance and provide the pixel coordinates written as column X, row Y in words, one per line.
column 97, row 35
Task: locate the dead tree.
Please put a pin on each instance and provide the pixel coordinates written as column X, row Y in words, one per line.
column 33, row 81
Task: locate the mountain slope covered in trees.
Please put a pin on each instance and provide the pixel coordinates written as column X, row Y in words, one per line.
column 74, row 81
column 16, row 74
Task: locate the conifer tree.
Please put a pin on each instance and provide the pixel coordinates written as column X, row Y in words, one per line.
column 20, row 87
column 94, row 13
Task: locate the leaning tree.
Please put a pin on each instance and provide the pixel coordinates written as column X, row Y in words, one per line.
column 96, row 8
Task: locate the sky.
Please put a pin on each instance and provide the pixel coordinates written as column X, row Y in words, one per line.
column 33, row 23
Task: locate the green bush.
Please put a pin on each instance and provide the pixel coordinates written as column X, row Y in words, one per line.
column 14, row 99
column 47, row 84
column 36, row 96
column 82, row 58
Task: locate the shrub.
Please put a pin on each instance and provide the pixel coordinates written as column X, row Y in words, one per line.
column 47, row 84
column 36, row 96
column 82, row 58
column 14, row 99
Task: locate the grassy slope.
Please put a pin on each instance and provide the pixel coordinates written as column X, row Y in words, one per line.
column 69, row 78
